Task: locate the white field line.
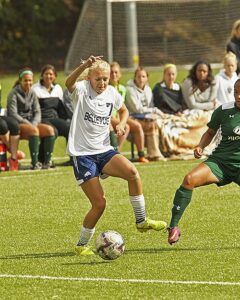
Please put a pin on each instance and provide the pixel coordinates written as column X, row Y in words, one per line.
column 192, row 282
column 36, row 173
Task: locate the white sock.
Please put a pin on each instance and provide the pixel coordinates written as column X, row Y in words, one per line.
column 138, row 204
column 85, row 236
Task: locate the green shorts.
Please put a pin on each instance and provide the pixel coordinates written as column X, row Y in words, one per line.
column 226, row 173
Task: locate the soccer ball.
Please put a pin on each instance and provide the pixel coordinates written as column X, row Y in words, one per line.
column 110, row 245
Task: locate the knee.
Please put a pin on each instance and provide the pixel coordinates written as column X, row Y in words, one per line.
column 188, row 181
column 50, row 131
column 100, row 204
column 133, row 174
column 33, row 131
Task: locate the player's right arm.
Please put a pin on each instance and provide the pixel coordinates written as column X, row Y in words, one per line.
column 72, row 78
column 204, row 142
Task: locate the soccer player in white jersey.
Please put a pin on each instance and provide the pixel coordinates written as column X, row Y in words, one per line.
column 89, row 145
column 221, row 167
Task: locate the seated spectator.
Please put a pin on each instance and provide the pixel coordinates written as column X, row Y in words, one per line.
column 135, row 127
column 50, row 96
column 140, row 105
column 68, row 104
column 167, row 94
column 9, row 135
column 199, row 88
column 226, row 78
column 233, row 44
column 23, row 106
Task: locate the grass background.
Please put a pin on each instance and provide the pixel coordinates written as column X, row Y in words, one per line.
column 41, row 213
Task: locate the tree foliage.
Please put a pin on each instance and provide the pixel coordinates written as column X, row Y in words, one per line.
column 35, row 32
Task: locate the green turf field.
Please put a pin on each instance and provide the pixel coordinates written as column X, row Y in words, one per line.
column 41, row 213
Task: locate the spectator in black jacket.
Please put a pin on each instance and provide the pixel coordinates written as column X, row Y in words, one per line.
column 50, row 96
column 167, row 94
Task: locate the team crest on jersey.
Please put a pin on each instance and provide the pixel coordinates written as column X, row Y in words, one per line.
column 236, row 130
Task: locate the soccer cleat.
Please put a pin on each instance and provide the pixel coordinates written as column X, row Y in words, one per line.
column 103, row 176
column 46, row 166
column 38, row 166
column 143, row 159
column 151, row 224
column 83, row 250
column 49, row 165
column 174, row 234
column 13, row 164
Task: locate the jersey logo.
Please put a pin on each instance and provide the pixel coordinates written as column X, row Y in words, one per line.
column 87, row 174
column 236, row 130
column 231, row 116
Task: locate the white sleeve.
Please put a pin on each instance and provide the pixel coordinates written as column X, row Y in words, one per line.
column 118, row 101
column 78, row 91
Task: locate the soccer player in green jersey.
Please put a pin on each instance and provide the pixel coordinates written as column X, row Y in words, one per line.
column 222, row 166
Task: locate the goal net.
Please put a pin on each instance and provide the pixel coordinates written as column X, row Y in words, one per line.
column 180, row 31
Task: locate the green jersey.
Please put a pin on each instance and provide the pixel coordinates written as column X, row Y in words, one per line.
column 226, row 118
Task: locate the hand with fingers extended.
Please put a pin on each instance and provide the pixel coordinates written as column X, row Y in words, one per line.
column 92, row 59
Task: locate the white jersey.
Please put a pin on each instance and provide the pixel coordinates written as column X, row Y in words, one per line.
column 42, row 91
column 89, row 132
column 225, row 87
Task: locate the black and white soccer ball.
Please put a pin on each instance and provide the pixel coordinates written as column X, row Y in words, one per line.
column 110, row 245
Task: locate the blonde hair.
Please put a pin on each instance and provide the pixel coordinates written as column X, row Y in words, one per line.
column 235, row 27
column 169, row 66
column 229, row 56
column 115, row 64
column 84, row 75
column 101, row 65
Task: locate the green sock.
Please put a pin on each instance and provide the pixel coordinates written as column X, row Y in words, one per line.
column 113, row 140
column 181, row 200
column 141, row 153
column 48, row 148
column 34, row 148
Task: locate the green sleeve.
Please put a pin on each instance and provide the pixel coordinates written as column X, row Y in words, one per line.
column 216, row 119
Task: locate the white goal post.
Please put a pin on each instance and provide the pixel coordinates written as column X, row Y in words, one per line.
column 153, row 32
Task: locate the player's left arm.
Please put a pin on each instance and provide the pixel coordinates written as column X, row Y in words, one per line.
column 123, row 116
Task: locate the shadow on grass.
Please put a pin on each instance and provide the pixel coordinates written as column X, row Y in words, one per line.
column 174, row 249
column 127, row 252
column 57, row 254
column 38, row 255
column 89, row 263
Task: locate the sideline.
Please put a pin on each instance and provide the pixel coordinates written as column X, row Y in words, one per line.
column 120, row 280
column 28, row 173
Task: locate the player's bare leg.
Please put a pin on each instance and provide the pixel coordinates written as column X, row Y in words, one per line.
column 119, row 166
column 94, row 192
